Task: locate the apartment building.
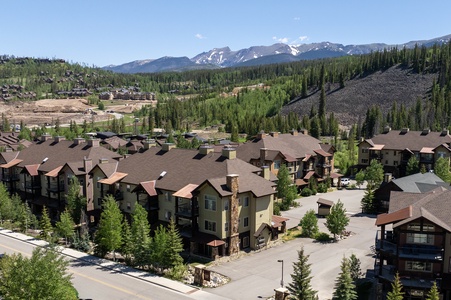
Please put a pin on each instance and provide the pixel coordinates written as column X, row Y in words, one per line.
column 305, row 156
column 414, row 241
column 41, row 173
column 394, row 148
column 220, row 203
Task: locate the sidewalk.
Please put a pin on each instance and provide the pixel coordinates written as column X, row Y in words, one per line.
column 195, row 292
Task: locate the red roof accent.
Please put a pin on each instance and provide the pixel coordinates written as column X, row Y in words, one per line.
column 12, row 163
column 54, row 172
column 393, row 217
column 113, row 178
column 186, row 191
column 322, row 152
column 149, row 187
column 32, row 169
column 216, row 243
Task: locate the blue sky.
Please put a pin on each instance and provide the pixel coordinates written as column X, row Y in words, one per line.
column 98, row 32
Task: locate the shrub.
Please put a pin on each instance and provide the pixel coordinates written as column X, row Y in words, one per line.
column 276, row 209
column 314, row 192
column 309, row 224
column 306, row 192
column 322, row 188
column 322, row 237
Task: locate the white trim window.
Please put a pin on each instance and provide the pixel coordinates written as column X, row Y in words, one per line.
column 246, row 221
column 246, row 242
column 226, row 204
column 246, row 201
column 418, row 266
column 226, row 226
column 210, row 202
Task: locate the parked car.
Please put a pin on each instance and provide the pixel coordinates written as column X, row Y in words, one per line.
column 345, row 181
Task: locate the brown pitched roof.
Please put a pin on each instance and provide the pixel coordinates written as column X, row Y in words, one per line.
column 12, row 163
column 393, row 217
column 32, row 170
column 58, row 154
column 276, row 221
column 186, row 191
column 182, row 167
column 148, row 186
column 325, row 202
column 296, row 146
column 414, row 140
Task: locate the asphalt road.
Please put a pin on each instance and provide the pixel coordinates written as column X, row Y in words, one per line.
column 95, row 282
column 256, row 275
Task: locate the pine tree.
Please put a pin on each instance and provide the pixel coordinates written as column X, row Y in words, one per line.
column 46, row 226
column 127, row 242
column 174, row 245
column 396, row 293
column 441, row 169
column 354, row 267
column 300, row 287
column 337, row 220
column 285, row 188
column 140, row 230
column 344, row 286
column 367, row 203
column 76, row 203
column 413, row 165
column 433, row 293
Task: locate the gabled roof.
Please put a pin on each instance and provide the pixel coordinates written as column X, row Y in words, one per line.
column 12, row 163
column 148, row 186
column 413, row 140
column 296, row 146
column 186, row 191
column 32, row 170
column 419, row 182
column 325, row 202
column 183, row 166
column 115, row 177
column 399, row 215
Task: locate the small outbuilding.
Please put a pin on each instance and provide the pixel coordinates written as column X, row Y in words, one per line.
column 324, row 207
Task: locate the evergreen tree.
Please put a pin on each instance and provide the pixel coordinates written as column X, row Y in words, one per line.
column 127, row 242
column 433, row 293
column 315, row 127
column 174, row 246
column 76, row 203
column 413, row 165
column 300, row 287
column 345, row 288
column 360, row 178
column 46, row 226
column 158, row 247
column 65, row 226
column 309, row 224
column 367, row 203
column 337, row 220
column 354, row 267
column 140, row 230
column 109, row 233
column 396, row 293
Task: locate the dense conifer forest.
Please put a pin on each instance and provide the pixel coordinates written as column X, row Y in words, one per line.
column 250, row 99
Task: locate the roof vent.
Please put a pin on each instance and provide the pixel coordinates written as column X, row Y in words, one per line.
column 404, row 130
column 45, row 159
column 162, row 174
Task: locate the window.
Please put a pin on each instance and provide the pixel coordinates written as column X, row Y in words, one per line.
column 168, row 196
column 226, row 204
column 99, row 201
column 246, row 202
column 210, row 202
column 226, row 226
column 98, row 183
column 386, row 162
column 128, row 188
column 246, row 221
column 420, row 266
column 420, row 238
column 210, row 226
column 364, row 161
column 168, row 215
column 395, row 163
column 246, row 242
column 441, row 154
column 276, row 164
column 364, row 150
column 417, row 227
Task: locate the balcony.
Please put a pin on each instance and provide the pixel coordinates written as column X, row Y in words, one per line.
column 387, row 244
column 425, row 252
column 388, row 273
column 54, row 188
column 9, row 178
column 34, row 186
column 184, row 210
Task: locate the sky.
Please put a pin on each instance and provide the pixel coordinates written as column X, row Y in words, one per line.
column 100, row 33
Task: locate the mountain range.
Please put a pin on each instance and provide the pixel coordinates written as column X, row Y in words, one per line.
column 259, row 55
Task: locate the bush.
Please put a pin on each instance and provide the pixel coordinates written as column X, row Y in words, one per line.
column 322, row 188
column 306, row 192
column 351, row 187
column 314, row 192
column 276, row 209
column 322, row 237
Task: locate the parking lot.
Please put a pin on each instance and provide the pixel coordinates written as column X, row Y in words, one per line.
column 256, row 275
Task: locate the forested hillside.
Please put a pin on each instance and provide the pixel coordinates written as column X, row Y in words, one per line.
column 396, row 87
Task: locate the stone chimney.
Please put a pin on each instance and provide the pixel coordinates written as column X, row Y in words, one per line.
column 232, row 183
column 167, row 146
column 45, row 137
column 294, row 132
column 94, row 143
column 261, row 135
column 149, row 143
column 304, row 131
column 78, row 141
column 206, row 149
column 265, row 172
column 274, row 134
column 228, row 152
column 87, row 162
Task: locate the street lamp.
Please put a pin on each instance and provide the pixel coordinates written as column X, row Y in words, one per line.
column 281, row 281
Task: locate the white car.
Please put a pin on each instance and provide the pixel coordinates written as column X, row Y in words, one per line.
column 345, row 181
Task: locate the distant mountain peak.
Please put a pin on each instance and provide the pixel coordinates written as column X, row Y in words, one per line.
column 259, row 55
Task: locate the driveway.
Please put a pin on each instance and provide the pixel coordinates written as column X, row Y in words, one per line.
column 257, row 274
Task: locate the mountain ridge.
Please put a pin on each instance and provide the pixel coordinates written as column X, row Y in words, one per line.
column 224, row 57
